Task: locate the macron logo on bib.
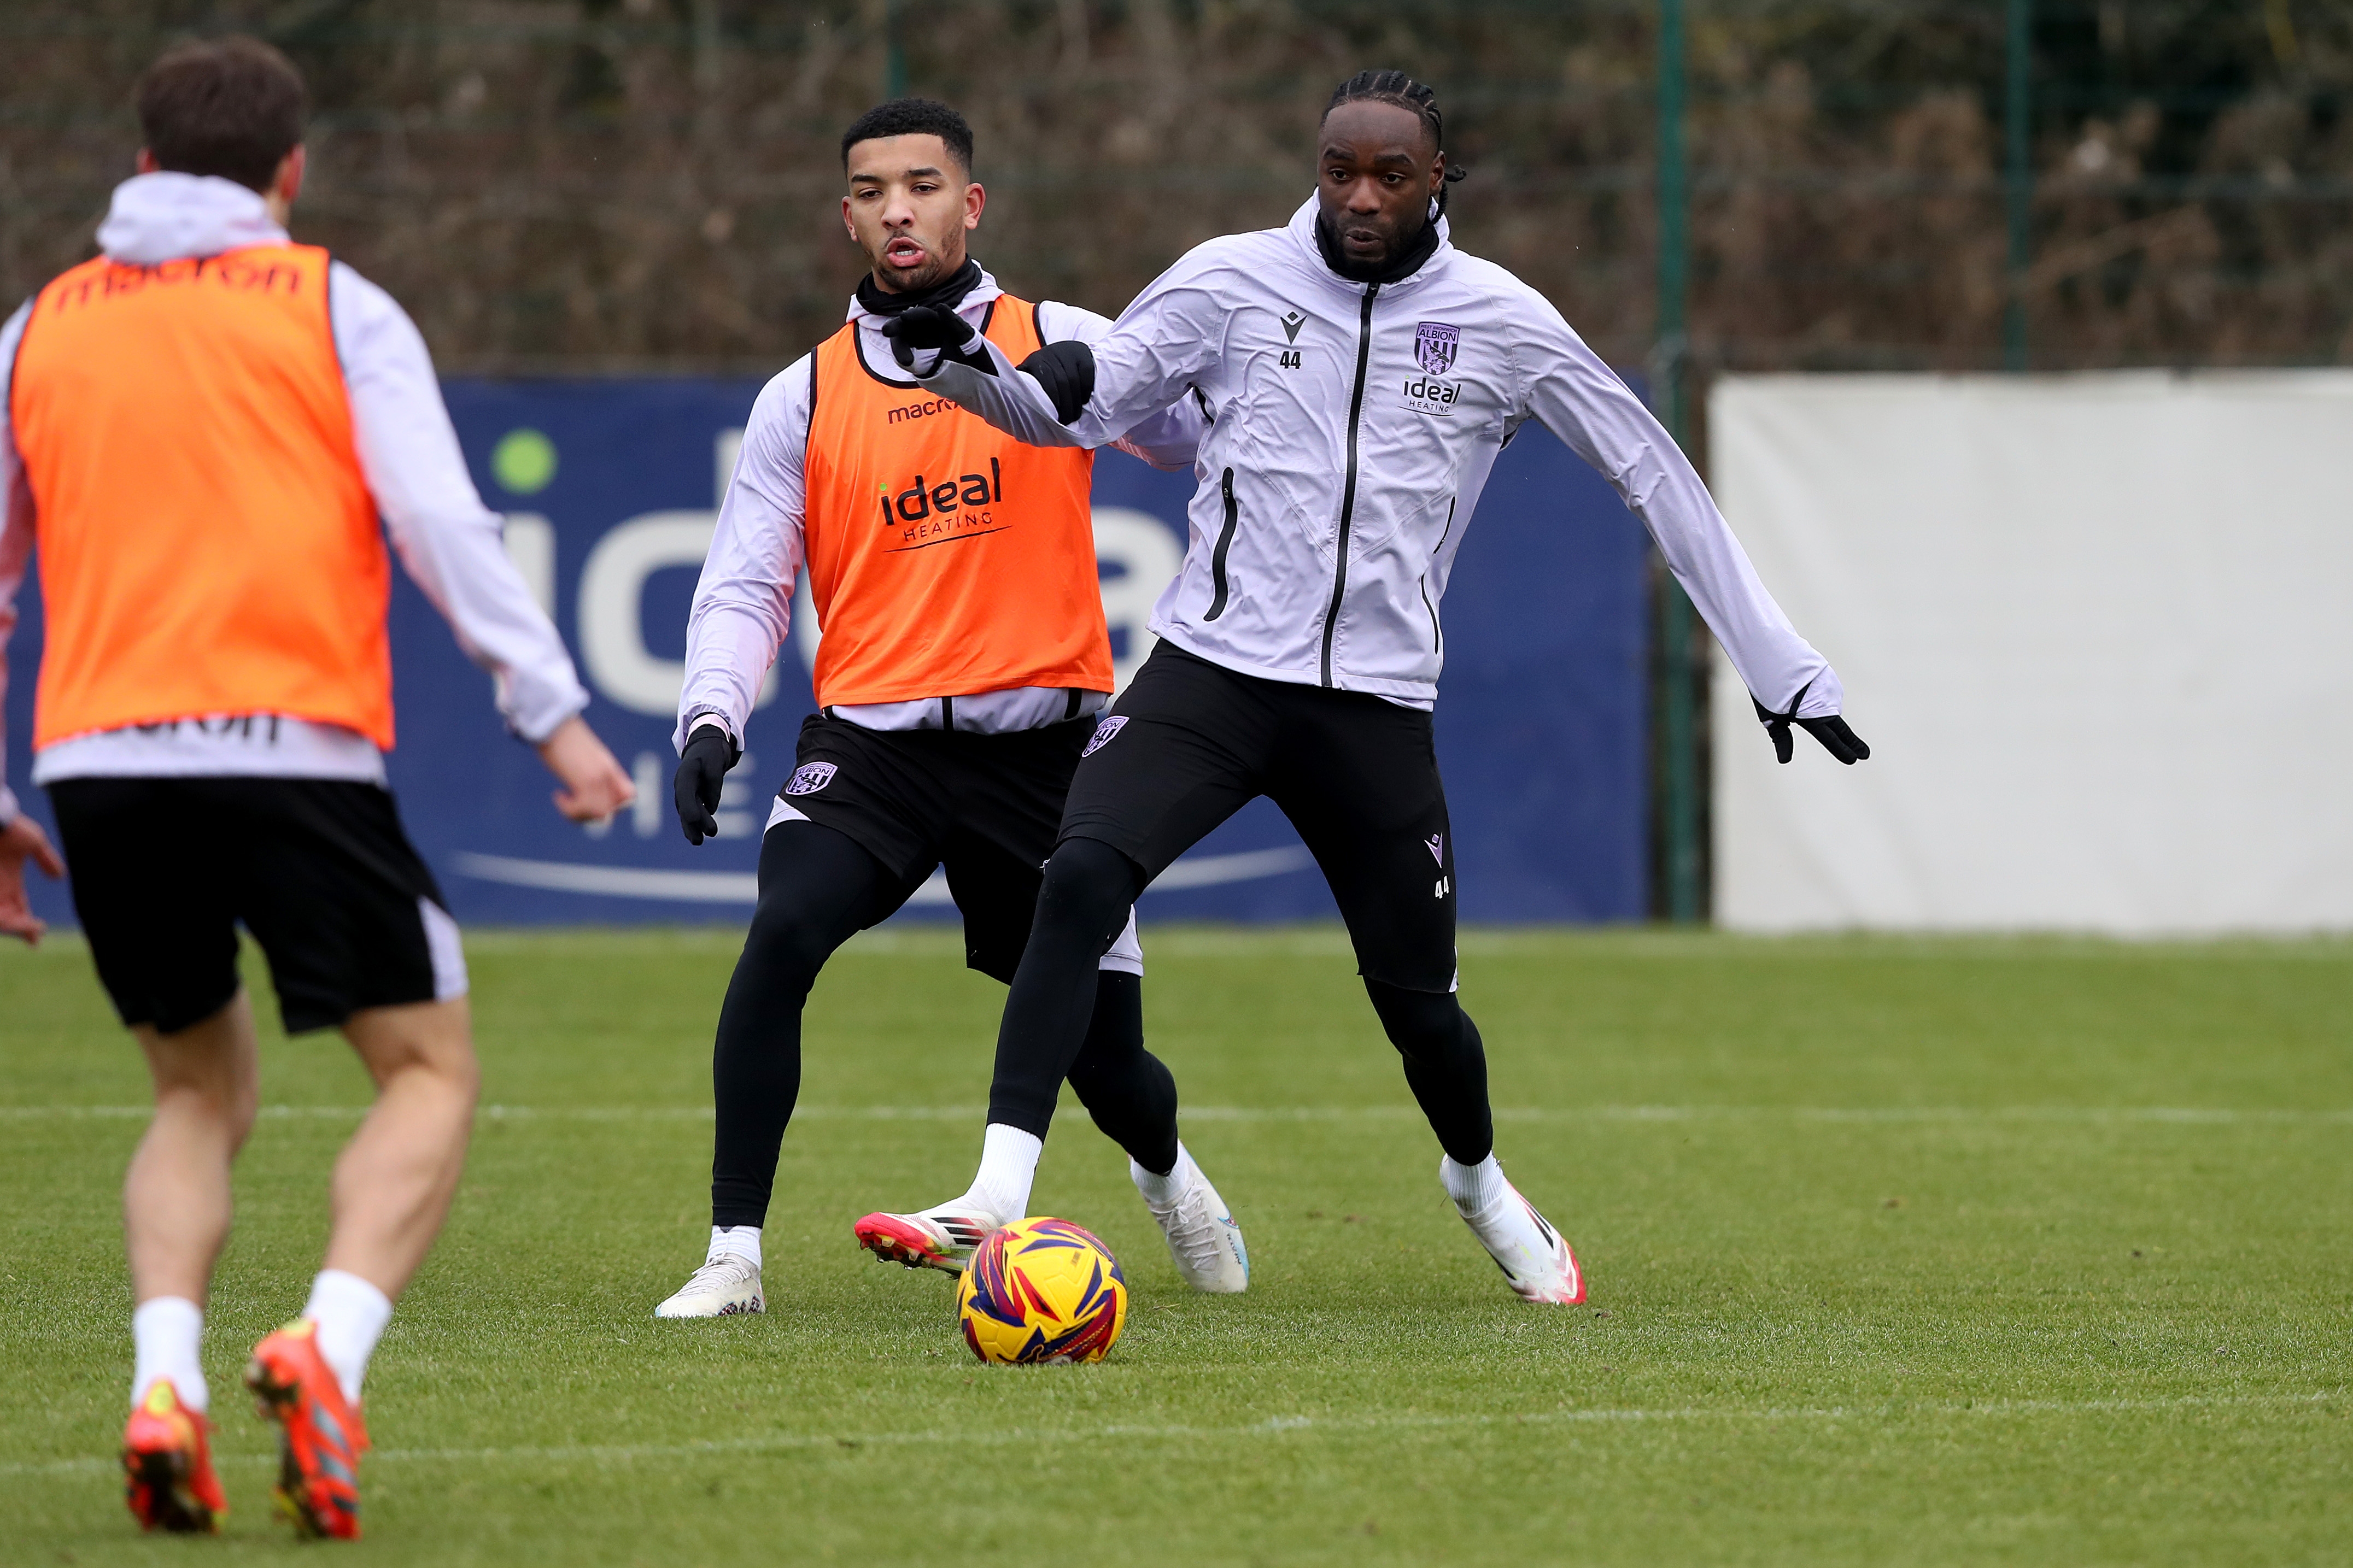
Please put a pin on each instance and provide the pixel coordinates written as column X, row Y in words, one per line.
column 1104, row 734
column 811, row 778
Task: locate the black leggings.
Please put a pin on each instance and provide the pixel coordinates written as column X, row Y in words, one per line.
column 1080, row 911
column 817, row 888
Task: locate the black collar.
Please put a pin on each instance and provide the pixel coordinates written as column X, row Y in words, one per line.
column 1403, row 265
column 947, row 293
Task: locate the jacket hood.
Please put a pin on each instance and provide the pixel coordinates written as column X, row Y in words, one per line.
column 165, row 216
column 1302, row 229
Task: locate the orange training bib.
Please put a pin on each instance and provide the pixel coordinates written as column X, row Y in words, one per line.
column 208, row 543
column 944, row 558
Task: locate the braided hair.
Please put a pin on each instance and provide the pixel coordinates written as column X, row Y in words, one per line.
column 1398, row 88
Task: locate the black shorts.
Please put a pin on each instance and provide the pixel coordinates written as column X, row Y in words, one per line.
column 1189, row 743
column 985, row 807
column 164, row 869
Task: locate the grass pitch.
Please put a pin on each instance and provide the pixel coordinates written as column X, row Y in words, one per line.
column 1900, row 1252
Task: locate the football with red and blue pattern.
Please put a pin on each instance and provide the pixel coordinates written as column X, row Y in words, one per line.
column 1040, row 1292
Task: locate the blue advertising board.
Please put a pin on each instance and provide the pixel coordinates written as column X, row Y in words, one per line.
column 610, row 489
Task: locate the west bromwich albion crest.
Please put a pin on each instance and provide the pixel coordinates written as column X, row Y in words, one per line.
column 1434, row 343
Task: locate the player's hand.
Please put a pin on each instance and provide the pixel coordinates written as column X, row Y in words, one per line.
column 20, row 841
column 595, row 787
column 1067, row 370
column 701, row 774
column 922, row 327
column 1831, row 730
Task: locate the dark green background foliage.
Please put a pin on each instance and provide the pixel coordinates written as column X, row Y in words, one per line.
column 576, row 183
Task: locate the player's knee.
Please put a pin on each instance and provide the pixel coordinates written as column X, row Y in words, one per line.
column 461, row 1071
column 1422, row 1025
column 449, row 1061
column 217, row 1110
column 786, row 944
column 426, row 1045
column 1085, row 896
column 244, row 1108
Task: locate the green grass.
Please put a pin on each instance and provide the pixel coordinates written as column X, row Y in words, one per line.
column 1901, row 1252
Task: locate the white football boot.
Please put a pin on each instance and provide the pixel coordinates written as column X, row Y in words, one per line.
column 1534, row 1258
column 720, row 1288
column 941, row 1237
column 1203, row 1238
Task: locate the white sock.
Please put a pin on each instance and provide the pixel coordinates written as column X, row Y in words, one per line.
column 734, row 1241
column 351, row 1314
column 1160, row 1192
column 1009, row 1165
column 1473, row 1188
column 164, row 1334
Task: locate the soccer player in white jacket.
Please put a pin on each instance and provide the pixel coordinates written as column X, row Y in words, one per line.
column 1361, row 374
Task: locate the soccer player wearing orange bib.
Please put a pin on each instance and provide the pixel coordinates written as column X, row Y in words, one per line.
column 203, row 426
column 963, row 661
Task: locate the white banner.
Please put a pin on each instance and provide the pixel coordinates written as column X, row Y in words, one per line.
column 2097, row 629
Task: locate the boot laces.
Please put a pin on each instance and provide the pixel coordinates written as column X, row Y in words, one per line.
column 1194, row 1229
column 726, row 1269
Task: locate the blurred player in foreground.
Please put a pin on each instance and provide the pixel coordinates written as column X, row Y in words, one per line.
column 964, row 658
column 1362, row 374
column 203, row 425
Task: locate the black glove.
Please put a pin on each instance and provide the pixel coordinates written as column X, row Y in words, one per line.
column 1067, row 370
column 702, row 773
column 1831, row 730
column 926, row 327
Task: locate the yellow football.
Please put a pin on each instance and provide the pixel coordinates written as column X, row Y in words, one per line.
column 1039, row 1291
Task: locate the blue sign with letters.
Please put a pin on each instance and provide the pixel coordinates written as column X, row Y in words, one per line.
column 610, row 490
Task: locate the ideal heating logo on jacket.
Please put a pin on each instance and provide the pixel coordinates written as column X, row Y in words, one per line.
column 1435, row 344
column 933, row 511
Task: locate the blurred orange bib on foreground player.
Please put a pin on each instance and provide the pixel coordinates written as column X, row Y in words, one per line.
column 944, row 558
column 216, row 552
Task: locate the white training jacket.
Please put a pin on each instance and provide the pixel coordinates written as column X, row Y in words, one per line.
column 1354, row 426
column 743, row 604
column 448, row 540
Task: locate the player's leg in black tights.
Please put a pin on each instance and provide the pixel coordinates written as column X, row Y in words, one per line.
column 1082, row 909
column 817, row 888
column 1129, row 1091
column 1445, row 1065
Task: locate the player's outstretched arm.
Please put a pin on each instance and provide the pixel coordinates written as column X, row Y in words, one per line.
column 449, row 542
column 1579, row 399
column 1169, row 440
column 940, row 349
column 451, row 545
column 1074, row 394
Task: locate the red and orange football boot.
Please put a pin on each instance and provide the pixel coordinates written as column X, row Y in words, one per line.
column 940, row 1237
column 168, row 1460
column 320, row 1437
